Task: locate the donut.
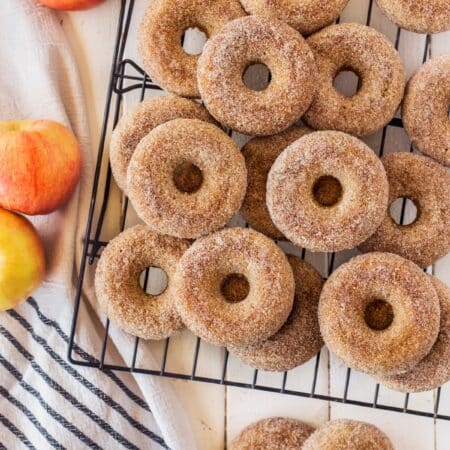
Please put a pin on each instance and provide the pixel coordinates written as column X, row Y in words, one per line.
column 306, row 16
column 140, row 121
column 186, row 178
column 161, row 34
column 327, row 191
column 368, row 53
column 234, row 287
column 420, row 16
column 272, row 433
column 117, row 282
column 260, row 154
column 427, row 184
column 425, row 109
column 240, row 44
column 379, row 313
column 434, row 370
column 345, row 434
column 299, row 338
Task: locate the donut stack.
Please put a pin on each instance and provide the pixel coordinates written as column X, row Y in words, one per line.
column 317, row 185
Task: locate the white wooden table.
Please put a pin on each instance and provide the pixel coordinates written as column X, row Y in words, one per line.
column 219, row 413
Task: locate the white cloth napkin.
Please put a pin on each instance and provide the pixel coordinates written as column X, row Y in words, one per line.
column 45, row 402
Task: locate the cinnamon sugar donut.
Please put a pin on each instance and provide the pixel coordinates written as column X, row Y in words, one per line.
column 234, row 287
column 240, row 44
column 273, row 433
column 140, row 121
column 434, row 370
column 421, row 16
column 299, row 338
column 368, row 53
column 161, row 33
column 379, row 313
column 117, row 282
column 260, row 154
column 425, row 109
column 186, row 178
column 306, row 16
column 427, row 184
column 327, row 191
column 345, row 434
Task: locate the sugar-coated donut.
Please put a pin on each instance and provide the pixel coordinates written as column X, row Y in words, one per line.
column 192, row 152
column 421, row 16
column 299, row 338
column 434, row 370
column 306, row 16
column 140, row 121
column 345, row 434
column 427, row 184
column 234, row 287
column 117, row 282
column 278, row 433
column 368, row 53
column 161, row 33
column 260, row 154
column 425, row 109
column 379, row 313
column 240, row 44
column 327, row 191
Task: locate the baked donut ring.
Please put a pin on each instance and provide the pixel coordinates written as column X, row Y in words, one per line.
column 192, row 151
column 240, row 44
column 427, row 184
column 306, row 16
column 425, row 109
column 379, row 313
column 273, row 433
column 368, row 53
column 345, row 434
column 234, row 287
column 327, row 191
column 140, row 121
column 161, row 33
column 117, row 282
column 421, row 16
column 299, row 338
column 434, row 370
column 260, row 154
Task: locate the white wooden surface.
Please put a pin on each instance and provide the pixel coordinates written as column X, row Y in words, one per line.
column 219, row 413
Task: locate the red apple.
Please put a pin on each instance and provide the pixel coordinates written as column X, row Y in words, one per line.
column 70, row 5
column 40, row 165
column 22, row 260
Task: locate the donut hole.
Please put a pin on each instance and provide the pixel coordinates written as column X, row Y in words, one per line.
column 379, row 315
column 187, row 177
column 153, row 280
column 347, row 82
column 193, row 40
column 257, row 76
column 327, row 191
column 235, row 287
column 404, row 211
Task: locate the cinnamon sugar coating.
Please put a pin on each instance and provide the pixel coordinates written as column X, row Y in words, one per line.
column 368, row 53
column 425, row 109
column 152, row 187
column 161, row 33
column 427, row 184
column 311, row 221
column 299, row 338
column 273, row 433
column 344, row 434
column 117, row 282
column 260, row 154
column 230, row 52
column 382, row 277
column 210, row 260
column 306, row 16
column 140, row 121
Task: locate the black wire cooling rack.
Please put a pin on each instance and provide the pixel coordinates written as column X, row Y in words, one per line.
column 128, row 77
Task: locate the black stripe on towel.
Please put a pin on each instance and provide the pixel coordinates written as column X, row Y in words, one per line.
column 14, row 430
column 2, row 447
